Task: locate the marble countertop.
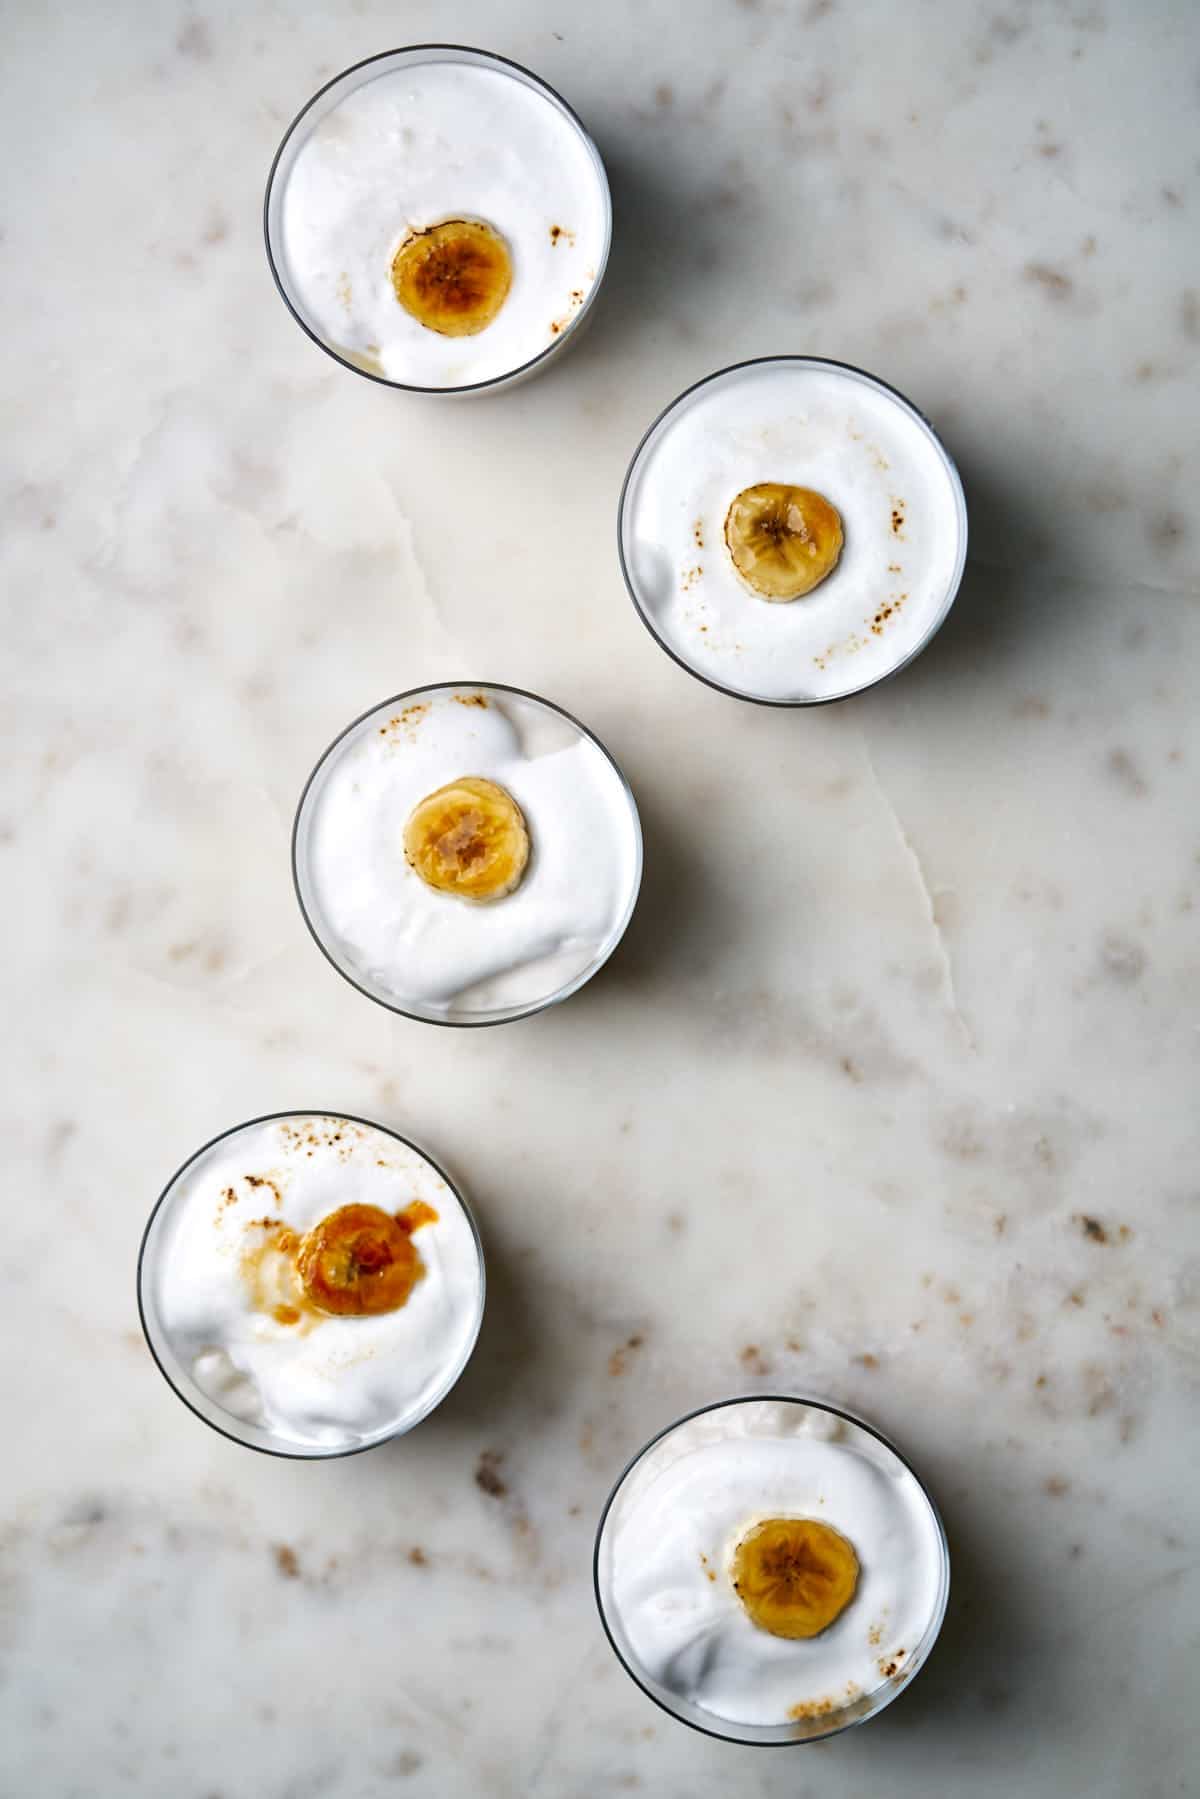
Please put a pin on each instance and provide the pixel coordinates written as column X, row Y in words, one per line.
column 890, row 1093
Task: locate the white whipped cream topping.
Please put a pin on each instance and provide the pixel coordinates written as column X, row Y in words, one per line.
column 328, row 1382
column 668, row 1544
column 415, row 146
column 433, row 951
column 807, row 425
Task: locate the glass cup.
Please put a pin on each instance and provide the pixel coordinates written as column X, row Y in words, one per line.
column 579, row 303
column 547, row 980
column 811, row 423
column 740, row 1421
column 156, row 1248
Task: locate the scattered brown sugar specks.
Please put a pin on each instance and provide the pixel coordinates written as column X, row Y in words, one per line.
column 418, row 1557
column 558, row 233
column 487, row 1476
column 264, row 1180
column 287, row 1561
column 617, row 1363
column 698, row 533
column 1076, row 1297
column 875, row 1635
column 810, row 1708
column 1056, row 1486
column 704, row 1563
column 576, row 301
column 691, row 576
column 472, row 699
column 753, row 1360
column 867, row 1360
column 897, row 518
column 893, row 568
column 888, row 609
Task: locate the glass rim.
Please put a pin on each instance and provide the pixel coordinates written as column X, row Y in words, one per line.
column 563, row 993
column 509, row 376
column 849, row 368
column 730, row 1735
column 311, row 1455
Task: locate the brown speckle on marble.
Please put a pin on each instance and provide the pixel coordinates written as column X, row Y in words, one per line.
column 1165, row 531
column 418, row 1557
column 1123, row 960
column 617, row 1361
column 406, row 1762
column 487, row 1475
column 1125, row 771
column 195, row 41
column 753, row 1360
column 1052, row 281
column 664, row 95
column 287, row 1561
column 1056, row 1486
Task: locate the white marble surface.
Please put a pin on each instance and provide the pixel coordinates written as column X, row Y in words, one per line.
column 912, row 989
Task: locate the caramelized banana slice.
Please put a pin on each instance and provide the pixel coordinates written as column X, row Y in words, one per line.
column 359, row 1261
column 794, row 1575
column 454, row 277
column 468, row 838
column 783, row 540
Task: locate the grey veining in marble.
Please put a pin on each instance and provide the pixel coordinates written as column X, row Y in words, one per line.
column 890, row 1093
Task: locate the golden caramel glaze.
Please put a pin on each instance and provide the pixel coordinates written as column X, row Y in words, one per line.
column 453, row 278
column 358, row 1262
column 794, row 1575
column 468, row 838
column 783, row 540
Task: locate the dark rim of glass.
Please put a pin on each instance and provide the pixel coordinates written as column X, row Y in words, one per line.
column 543, row 1005
column 299, row 1455
column 700, row 1411
column 411, row 387
column 734, row 693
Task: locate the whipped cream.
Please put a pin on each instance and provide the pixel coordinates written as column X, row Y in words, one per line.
column 212, row 1284
column 412, row 146
column 667, row 1547
column 806, row 424
column 433, row 953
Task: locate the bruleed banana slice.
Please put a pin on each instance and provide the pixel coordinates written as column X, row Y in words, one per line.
column 453, row 277
column 794, row 1575
column 469, row 838
column 359, row 1261
column 783, row 540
